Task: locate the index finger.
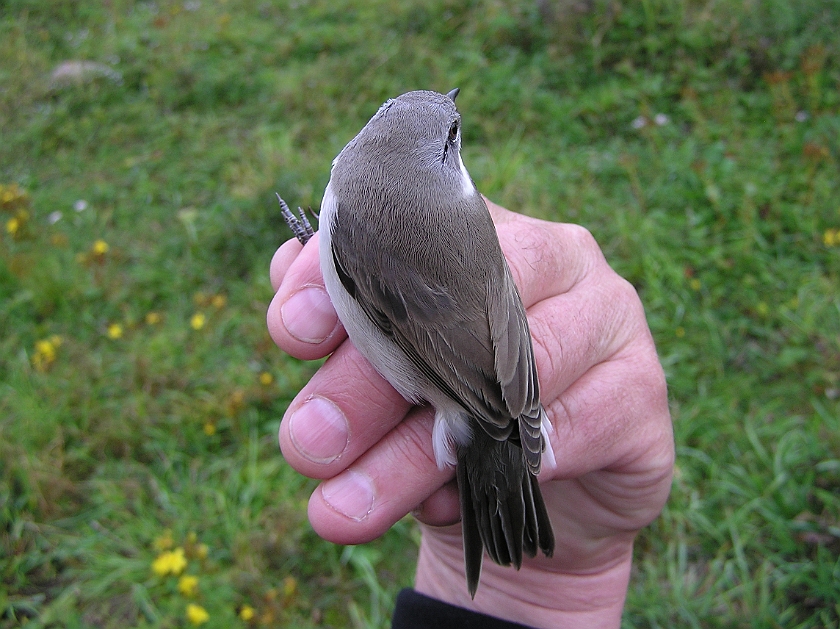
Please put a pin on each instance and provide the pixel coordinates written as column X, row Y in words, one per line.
column 301, row 318
column 282, row 260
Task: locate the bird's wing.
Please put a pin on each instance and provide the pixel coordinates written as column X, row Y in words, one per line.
column 469, row 338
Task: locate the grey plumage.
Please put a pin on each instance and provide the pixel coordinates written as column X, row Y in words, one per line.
column 413, row 265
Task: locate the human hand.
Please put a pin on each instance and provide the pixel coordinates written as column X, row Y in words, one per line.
column 604, row 394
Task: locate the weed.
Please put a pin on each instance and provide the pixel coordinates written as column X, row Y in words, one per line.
column 140, row 395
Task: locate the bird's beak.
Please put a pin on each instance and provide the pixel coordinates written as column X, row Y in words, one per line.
column 453, row 94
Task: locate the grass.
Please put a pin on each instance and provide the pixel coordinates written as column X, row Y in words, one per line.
column 140, row 394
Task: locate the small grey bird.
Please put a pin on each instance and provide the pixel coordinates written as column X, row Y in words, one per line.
column 413, row 266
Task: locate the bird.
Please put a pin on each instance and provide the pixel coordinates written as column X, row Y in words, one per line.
column 413, row 265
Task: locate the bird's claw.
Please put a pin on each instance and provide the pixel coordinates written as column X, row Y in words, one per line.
column 300, row 227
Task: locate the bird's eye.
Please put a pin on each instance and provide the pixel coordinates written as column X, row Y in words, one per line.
column 453, row 132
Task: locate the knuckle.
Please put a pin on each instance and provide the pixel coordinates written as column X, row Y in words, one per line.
column 581, row 236
column 626, row 291
column 630, row 322
column 649, row 378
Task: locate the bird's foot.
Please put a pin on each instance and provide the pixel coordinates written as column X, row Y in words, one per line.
column 300, row 227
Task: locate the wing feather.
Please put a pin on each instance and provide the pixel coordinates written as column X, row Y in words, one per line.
column 467, row 333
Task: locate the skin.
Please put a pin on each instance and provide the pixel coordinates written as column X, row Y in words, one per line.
column 604, row 393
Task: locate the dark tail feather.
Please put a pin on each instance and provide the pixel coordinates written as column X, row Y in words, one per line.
column 473, row 548
column 542, row 525
column 502, row 509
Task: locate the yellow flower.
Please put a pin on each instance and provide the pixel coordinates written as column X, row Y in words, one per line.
column 188, row 585
column 163, row 542
column 246, row 613
column 15, row 225
column 46, row 348
column 194, row 549
column 289, row 586
column 11, row 194
column 218, row 301
column 115, row 331
column 235, row 402
column 209, row 429
column 695, row 284
column 831, row 237
column 266, row 378
column 100, row 248
column 7, row 193
column 196, row 614
column 198, row 320
column 153, row 318
column 201, row 551
column 680, row 332
column 170, row 562
column 45, row 352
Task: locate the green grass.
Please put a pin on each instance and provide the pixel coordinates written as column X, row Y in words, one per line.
column 725, row 218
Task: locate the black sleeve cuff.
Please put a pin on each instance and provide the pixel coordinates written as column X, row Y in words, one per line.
column 418, row 611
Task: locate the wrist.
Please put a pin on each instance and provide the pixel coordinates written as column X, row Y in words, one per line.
column 539, row 595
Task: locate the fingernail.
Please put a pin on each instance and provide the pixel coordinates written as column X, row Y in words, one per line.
column 319, row 430
column 309, row 315
column 351, row 494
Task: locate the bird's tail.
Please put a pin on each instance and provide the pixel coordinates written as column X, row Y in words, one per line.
column 502, row 509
